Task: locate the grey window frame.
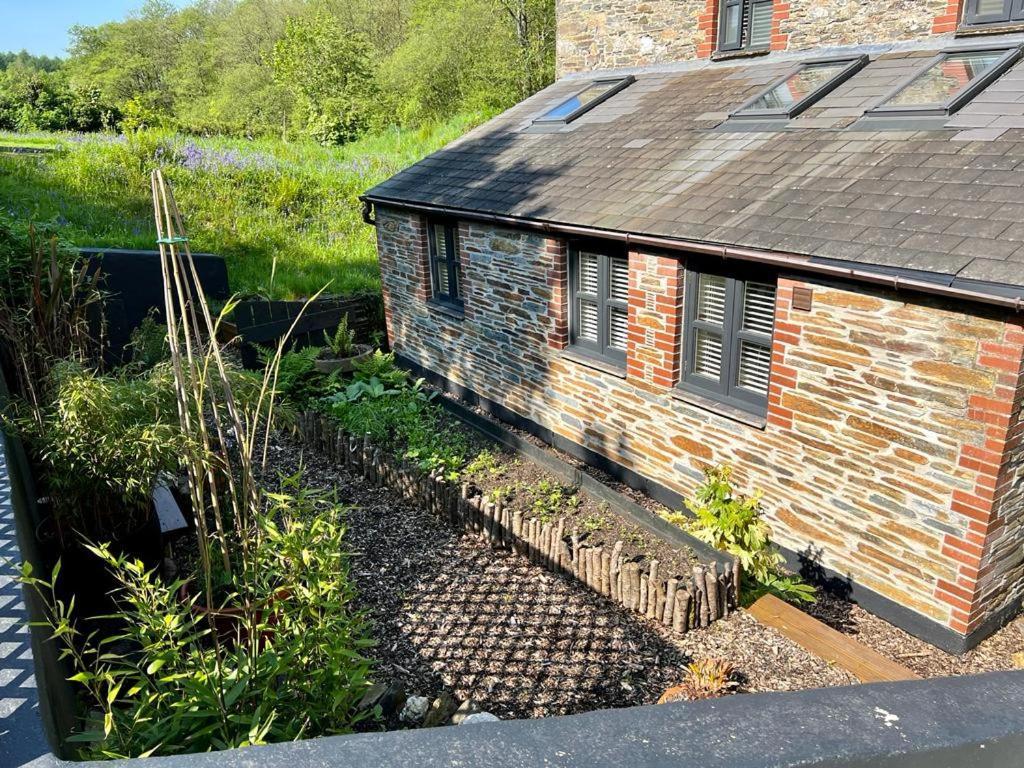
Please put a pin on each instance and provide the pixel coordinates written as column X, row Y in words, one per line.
column 618, row 84
column 854, row 66
column 599, row 349
column 746, row 18
column 1013, row 12
column 725, row 390
column 450, row 263
column 1011, row 54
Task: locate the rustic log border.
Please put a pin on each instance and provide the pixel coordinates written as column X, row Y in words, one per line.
column 679, row 602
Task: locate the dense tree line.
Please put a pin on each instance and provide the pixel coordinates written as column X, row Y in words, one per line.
column 328, row 69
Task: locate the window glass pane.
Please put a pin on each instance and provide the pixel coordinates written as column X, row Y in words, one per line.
column 588, row 321
column 732, row 26
column 711, row 299
column 992, row 8
column 798, row 86
column 581, row 99
column 618, row 326
column 755, row 364
column 588, row 273
column 760, row 25
column 942, row 81
column 618, row 288
column 708, row 354
column 759, row 307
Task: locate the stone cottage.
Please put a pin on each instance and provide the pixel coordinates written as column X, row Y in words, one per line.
column 786, row 236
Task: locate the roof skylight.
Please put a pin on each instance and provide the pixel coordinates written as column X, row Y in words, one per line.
column 799, row 89
column 585, row 100
column 947, row 82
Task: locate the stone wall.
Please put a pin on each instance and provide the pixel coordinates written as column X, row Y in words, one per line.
column 882, row 455
column 603, row 34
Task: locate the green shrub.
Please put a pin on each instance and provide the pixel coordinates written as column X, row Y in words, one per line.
column 382, row 367
column 297, row 668
column 101, row 442
column 402, row 417
column 732, row 523
column 148, row 343
column 298, row 380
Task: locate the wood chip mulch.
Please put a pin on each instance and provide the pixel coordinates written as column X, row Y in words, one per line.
column 451, row 615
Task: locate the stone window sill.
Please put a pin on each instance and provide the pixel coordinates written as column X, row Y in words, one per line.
column 589, row 361
column 992, row 29
column 728, row 411
column 741, row 54
column 446, row 309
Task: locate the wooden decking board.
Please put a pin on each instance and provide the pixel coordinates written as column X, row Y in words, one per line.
column 866, row 665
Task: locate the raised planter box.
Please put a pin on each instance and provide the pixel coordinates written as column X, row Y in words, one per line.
column 709, row 594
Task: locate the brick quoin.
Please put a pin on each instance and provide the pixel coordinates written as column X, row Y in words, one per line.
column 707, row 23
column 949, row 20
column 556, row 253
column 780, row 14
column 991, row 465
column 654, row 353
column 783, row 377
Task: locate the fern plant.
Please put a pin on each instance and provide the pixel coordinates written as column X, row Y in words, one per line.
column 732, row 522
column 343, row 342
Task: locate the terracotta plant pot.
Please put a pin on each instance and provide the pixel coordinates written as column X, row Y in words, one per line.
column 228, row 623
column 343, row 364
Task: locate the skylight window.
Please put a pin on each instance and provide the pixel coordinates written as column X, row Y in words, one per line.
column 585, row 100
column 947, row 82
column 793, row 93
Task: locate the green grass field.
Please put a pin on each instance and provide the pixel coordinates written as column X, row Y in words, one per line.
column 285, row 216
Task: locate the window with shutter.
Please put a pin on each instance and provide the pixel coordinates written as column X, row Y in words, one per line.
column 729, row 325
column 744, row 24
column 445, row 270
column 981, row 12
column 600, row 302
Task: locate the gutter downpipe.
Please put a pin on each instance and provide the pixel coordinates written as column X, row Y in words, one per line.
column 724, row 252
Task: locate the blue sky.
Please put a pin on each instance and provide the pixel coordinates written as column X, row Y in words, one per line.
column 41, row 26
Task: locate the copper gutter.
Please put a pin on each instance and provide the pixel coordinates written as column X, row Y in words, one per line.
column 724, row 252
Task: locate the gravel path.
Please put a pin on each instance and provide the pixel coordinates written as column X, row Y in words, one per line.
column 452, row 615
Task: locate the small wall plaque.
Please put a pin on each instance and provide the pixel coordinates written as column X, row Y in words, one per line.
column 803, row 298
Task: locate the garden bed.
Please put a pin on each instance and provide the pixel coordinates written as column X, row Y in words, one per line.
column 452, row 614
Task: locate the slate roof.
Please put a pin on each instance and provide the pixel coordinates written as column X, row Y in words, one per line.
column 656, row 159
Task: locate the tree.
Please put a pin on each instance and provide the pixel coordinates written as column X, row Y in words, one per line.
column 330, row 72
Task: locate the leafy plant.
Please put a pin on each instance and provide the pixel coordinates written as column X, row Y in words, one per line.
column 148, row 343
column 101, row 441
column 733, row 523
column 294, row 667
column 403, row 417
column 298, row 380
column 381, row 366
column 484, row 463
column 343, row 342
column 708, row 679
column 550, row 499
column 50, row 307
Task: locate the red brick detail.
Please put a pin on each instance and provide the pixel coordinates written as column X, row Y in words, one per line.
column 707, row 24
column 949, row 19
column 420, row 256
column 783, row 377
column 780, row 14
column 557, row 254
column 999, row 411
column 654, row 353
